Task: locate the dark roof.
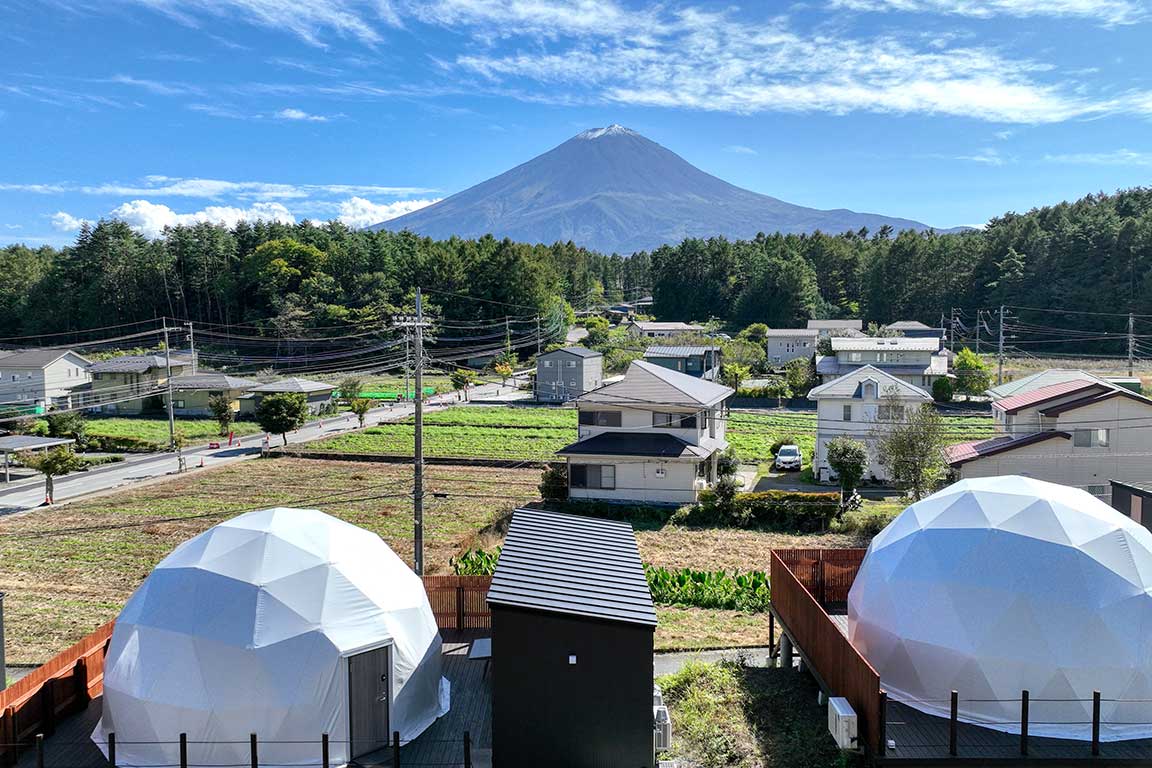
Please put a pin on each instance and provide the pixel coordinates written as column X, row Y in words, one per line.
column 14, row 443
column 578, row 351
column 962, row 453
column 1144, row 489
column 32, row 358
column 294, row 384
column 690, row 351
column 193, row 381
column 833, row 325
column 658, row 444
column 580, row 566
column 135, row 363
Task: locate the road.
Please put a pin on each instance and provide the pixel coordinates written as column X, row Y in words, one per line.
column 28, row 494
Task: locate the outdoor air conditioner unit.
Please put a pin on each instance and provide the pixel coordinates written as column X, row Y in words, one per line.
column 842, row 722
column 661, row 728
column 657, row 696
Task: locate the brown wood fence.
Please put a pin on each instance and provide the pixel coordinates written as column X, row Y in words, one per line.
column 459, row 602
column 794, row 575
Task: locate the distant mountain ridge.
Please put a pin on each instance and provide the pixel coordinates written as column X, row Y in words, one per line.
column 613, row 190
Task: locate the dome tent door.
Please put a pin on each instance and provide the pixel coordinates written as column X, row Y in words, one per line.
column 369, row 697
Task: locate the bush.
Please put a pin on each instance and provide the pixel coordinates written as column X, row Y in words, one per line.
column 848, row 458
column 709, row 589
column 794, row 511
column 942, row 390
column 728, row 462
column 867, row 522
column 475, row 562
column 776, row 446
column 554, row 482
column 776, row 387
column 123, row 444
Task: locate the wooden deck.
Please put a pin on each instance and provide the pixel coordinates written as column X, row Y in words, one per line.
column 441, row 745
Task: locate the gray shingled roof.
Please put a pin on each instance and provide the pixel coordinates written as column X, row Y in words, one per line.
column 910, row 325
column 577, row 351
column 656, row 444
column 16, row 443
column 689, row 351
column 831, row 325
column 211, row 381
column 33, row 358
column 655, row 325
column 1042, row 379
column 294, row 384
column 647, row 384
column 787, row 333
column 848, row 385
column 578, row 566
column 135, row 363
column 889, row 343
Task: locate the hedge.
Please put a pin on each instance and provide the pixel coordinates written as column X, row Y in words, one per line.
column 122, row 444
column 793, row 511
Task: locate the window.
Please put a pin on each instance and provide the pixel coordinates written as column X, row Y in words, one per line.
column 890, row 413
column 854, row 357
column 547, row 363
column 1082, row 438
column 1102, row 438
column 673, row 420
column 661, row 419
column 848, row 412
column 868, row 390
column 600, row 418
column 571, row 363
column 602, row 476
column 1097, row 490
column 177, row 403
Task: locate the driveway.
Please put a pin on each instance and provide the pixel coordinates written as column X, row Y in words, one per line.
column 776, row 480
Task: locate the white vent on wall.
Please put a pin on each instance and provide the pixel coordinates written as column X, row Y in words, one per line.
column 661, row 728
column 842, row 722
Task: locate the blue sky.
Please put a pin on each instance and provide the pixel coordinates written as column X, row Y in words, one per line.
column 944, row 111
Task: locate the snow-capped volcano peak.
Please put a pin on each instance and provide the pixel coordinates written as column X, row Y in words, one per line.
column 612, row 130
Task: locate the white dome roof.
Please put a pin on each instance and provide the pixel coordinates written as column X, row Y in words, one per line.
column 997, row 585
column 242, row 630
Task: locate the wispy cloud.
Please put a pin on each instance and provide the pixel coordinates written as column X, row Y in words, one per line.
column 1115, row 157
column 740, row 149
column 292, row 113
column 213, row 189
column 1107, row 12
column 985, row 156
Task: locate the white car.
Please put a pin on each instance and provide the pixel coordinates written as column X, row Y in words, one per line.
column 789, row 457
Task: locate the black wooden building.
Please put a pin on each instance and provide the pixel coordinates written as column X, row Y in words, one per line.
column 1133, row 500
column 572, row 631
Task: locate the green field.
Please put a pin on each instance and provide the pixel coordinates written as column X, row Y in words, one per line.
column 156, row 430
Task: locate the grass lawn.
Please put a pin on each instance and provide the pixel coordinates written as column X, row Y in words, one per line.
column 156, row 430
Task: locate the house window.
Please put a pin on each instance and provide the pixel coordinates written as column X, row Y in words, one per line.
column 848, row 412
column 1102, row 438
column 1082, row 438
column 177, row 403
column 662, row 419
column 547, row 363
column 868, row 391
column 673, row 420
column 571, row 363
column 854, row 357
column 1097, row 490
column 890, row 413
column 600, row 418
column 602, row 476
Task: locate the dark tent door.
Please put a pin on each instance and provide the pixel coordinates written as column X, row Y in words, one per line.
column 369, row 683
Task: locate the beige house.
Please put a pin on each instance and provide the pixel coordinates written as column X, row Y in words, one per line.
column 653, row 436
column 192, row 392
column 1077, row 432
column 648, row 329
column 918, row 362
column 857, row 405
column 123, row 385
column 317, row 394
column 41, row 378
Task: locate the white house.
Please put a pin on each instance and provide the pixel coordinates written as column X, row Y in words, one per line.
column 856, row 405
column 1042, row 379
column 783, row 345
column 649, row 329
column 916, row 361
column 40, row 378
column 653, row 436
column 1078, row 432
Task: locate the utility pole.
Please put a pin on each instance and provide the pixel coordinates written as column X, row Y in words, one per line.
column 1000, row 351
column 1131, row 341
column 407, row 384
column 952, row 330
column 191, row 345
column 418, row 461
column 979, row 319
column 171, row 402
column 538, row 339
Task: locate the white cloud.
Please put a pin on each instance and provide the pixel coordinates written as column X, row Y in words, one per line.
column 213, row 189
column 291, row 113
column 66, row 222
column 1004, row 135
column 545, row 18
column 740, row 149
column 1116, row 157
column 1105, row 11
column 358, row 212
column 150, row 218
column 985, row 156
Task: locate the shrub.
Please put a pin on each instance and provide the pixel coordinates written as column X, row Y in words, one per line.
column 867, row 522
column 796, row 511
column 709, row 589
column 123, row 444
column 728, row 462
column 475, row 562
column 776, row 387
column 554, row 482
column 848, row 459
column 776, row 446
column 942, row 390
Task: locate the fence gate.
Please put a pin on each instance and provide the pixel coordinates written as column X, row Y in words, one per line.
column 369, row 686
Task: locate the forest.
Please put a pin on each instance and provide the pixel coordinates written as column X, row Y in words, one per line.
column 1092, row 255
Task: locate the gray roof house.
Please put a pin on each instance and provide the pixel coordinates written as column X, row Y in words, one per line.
column 566, row 373
column 126, row 384
column 700, row 361
column 1042, row 379
column 914, row 329
column 652, row 329
column 653, row 436
column 917, row 361
column 783, row 345
column 193, row 391
column 317, row 393
column 844, row 324
column 40, row 378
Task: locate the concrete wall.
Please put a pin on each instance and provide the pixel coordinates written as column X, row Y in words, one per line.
column 640, row 480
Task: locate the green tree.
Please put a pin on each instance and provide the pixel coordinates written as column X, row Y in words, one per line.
column 910, row 443
column 503, row 370
column 597, row 328
column 848, row 458
column 733, row 375
column 745, row 352
column 554, row 482
column 942, row 390
column 972, row 374
column 68, row 424
column 756, row 333
column 800, row 375
column 462, row 379
column 221, row 408
column 282, row 413
column 51, row 464
column 360, row 406
column 351, row 387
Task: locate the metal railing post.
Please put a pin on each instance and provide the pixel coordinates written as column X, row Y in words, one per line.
column 952, row 720
column 1024, row 722
column 183, row 750
column 111, row 750
column 882, row 726
column 395, row 749
column 1095, row 723
column 39, row 750
column 324, row 750
column 467, row 750
column 253, row 750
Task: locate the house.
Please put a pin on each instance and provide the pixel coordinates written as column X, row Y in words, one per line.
column 193, row 391
column 783, row 345
column 699, row 361
column 914, row 329
column 317, row 393
column 653, row 436
column 1130, row 499
column 1041, row 379
column 649, row 329
column 856, row 405
column 37, row 379
column 123, row 384
column 1076, row 432
column 565, row 373
column 842, row 327
column 916, row 361
column 572, row 636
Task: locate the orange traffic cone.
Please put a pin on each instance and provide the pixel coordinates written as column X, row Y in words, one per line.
column 201, row 466
column 47, row 501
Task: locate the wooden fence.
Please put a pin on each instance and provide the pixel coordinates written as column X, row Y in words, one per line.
column 795, row 574
column 459, row 602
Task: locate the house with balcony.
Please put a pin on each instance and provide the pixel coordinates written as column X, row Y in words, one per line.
column 1078, row 432
column 33, row 380
column 703, row 362
column 653, row 437
column 857, row 405
column 842, row 327
column 918, row 362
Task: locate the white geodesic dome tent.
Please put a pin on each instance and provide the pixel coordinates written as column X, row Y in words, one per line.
column 998, row 585
column 247, row 628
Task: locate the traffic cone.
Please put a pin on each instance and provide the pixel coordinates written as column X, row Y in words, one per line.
column 201, row 465
column 47, row 501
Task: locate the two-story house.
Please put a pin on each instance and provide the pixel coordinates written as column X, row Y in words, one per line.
column 654, row 436
column 842, row 327
column 857, row 405
column 916, row 361
column 125, row 384
column 37, row 379
column 651, row 329
column 703, row 362
column 783, row 345
column 1076, row 432
column 569, row 372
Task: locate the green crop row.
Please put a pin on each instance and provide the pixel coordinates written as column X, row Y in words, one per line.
column 709, row 589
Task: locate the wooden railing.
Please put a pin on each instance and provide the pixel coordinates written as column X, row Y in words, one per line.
column 459, row 602
column 834, row 660
column 60, row 687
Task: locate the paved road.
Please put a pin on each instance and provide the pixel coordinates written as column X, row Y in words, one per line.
column 28, row 494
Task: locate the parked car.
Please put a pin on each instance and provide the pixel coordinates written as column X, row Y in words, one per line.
column 789, row 457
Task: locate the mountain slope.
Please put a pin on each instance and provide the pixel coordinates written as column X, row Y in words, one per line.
column 612, row 190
